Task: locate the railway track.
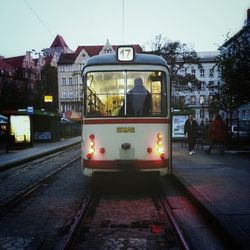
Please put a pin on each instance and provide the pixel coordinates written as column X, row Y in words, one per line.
column 13, row 199
column 129, row 218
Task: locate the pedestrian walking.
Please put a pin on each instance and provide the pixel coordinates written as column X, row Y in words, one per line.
column 217, row 134
column 190, row 131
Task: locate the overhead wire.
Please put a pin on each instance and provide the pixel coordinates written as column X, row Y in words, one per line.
column 40, row 20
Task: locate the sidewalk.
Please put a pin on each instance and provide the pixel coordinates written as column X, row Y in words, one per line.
column 15, row 157
column 220, row 185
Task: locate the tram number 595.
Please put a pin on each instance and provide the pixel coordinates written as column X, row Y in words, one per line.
column 125, row 53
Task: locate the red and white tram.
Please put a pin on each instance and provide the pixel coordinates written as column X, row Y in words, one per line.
column 126, row 121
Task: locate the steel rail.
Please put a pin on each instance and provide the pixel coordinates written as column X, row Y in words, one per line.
column 23, row 196
column 73, row 234
column 173, row 221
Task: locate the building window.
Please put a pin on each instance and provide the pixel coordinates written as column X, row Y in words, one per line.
column 210, row 98
column 64, row 94
column 182, row 100
column 202, row 99
column 202, row 113
column 219, row 73
column 193, row 100
column 64, row 81
column 182, row 72
column 202, row 73
column 71, row 95
column 211, row 73
column 203, row 85
column 70, row 81
column 211, row 85
column 193, row 72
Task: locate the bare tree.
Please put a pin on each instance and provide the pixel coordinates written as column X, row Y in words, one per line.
column 179, row 57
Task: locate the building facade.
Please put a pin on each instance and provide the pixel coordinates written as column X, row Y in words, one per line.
column 195, row 98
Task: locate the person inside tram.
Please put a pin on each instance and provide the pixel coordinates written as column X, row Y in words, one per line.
column 139, row 99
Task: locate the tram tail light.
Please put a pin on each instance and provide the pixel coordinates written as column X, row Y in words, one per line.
column 102, row 150
column 149, row 150
column 160, row 149
column 162, row 155
column 91, row 150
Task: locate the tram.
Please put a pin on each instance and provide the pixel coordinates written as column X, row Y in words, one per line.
column 126, row 117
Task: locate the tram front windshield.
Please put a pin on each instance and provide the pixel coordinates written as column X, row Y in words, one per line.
column 125, row 93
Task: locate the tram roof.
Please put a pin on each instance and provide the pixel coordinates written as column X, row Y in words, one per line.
column 111, row 59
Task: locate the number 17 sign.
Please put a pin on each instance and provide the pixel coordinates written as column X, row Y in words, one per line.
column 125, row 53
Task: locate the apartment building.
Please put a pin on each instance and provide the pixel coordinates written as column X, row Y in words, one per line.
column 198, row 98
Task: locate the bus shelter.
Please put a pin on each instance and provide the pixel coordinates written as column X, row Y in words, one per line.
column 25, row 128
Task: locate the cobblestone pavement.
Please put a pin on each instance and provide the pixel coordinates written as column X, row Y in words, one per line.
column 128, row 218
column 16, row 180
column 42, row 221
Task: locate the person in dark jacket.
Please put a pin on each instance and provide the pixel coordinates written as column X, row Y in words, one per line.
column 138, row 99
column 217, row 134
column 190, row 131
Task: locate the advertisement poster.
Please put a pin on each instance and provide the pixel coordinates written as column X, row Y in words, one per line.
column 178, row 126
column 20, row 127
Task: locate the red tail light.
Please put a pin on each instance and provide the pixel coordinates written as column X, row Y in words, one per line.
column 149, row 150
column 89, row 156
column 102, row 150
column 162, row 155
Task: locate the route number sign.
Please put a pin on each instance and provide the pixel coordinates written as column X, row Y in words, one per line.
column 125, row 53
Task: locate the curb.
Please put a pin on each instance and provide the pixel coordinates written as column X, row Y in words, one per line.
column 26, row 159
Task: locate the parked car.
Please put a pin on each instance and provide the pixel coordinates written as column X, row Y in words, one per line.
column 242, row 132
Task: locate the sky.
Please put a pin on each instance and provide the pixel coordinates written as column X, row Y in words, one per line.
column 33, row 24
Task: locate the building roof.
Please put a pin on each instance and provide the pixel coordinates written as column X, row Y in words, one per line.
column 16, row 62
column 6, row 66
column 243, row 31
column 96, row 49
column 93, row 50
column 59, row 42
column 67, row 58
